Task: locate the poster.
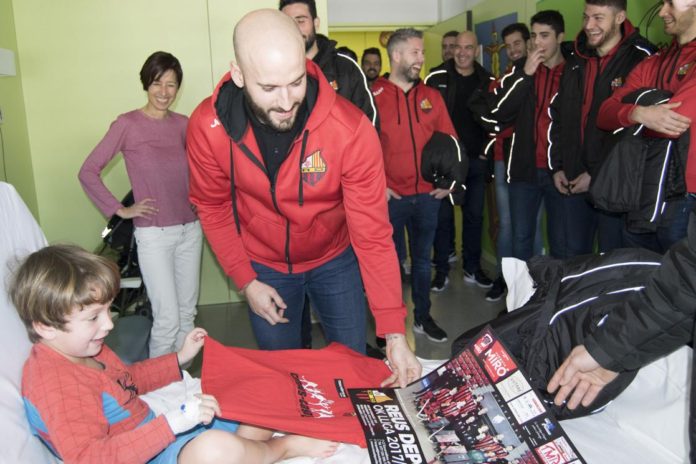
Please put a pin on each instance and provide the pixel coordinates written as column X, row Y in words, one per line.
column 476, row 408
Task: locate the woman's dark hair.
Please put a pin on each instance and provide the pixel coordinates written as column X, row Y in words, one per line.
column 157, row 64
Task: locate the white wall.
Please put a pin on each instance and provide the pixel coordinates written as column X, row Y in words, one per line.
column 346, row 13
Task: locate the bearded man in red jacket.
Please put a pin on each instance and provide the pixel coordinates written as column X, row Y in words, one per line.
column 289, row 184
column 410, row 113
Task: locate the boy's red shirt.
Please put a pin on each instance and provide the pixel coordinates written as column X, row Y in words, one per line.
column 88, row 415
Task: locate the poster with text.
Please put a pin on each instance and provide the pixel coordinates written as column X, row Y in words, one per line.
column 476, row 408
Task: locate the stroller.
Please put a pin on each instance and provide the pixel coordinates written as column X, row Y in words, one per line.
column 118, row 238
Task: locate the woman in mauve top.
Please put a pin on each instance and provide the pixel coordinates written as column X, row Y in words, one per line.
column 152, row 140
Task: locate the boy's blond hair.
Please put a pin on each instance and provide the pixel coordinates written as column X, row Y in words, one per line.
column 54, row 281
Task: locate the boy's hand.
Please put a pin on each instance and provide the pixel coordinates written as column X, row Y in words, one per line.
column 199, row 410
column 192, row 345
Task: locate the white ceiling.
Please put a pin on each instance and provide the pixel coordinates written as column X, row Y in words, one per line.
column 375, row 13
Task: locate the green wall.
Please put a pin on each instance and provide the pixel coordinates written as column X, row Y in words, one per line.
column 77, row 69
column 79, row 62
column 15, row 157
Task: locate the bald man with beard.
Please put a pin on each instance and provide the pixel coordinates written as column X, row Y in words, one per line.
column 289, row 184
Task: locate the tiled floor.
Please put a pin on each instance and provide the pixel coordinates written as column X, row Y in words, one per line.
column 459, row 307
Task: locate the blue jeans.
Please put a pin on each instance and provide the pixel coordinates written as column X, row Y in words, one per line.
column 472, row 214
column 422, row 211
column 610, row 230
column 443, row 243
column 502, row 201
column 671, row 226
column 400, row 242
column 570, row 219
column 336, row 294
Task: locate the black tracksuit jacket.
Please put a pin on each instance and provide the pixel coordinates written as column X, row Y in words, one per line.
column 577, row 143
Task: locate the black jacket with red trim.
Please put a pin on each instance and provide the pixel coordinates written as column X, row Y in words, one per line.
column 519, row 101
column 409, row 120
column 576, row 139
column 346, row 77
column 327, row 194
column 442, row 78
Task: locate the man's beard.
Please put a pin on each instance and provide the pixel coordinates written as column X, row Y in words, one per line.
column 310, row 40
column 264, row 116
column 410, row 74
column 613, row 32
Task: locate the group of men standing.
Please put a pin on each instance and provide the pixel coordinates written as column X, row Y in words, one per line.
column 551, row 119
column 299, row 191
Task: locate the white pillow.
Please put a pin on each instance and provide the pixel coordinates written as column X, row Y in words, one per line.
column 19, row 236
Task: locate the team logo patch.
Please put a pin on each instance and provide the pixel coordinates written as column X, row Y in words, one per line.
column 684, row 69
column 374, row 396
column 426, row 106
column 313, row 168
column 616, row 83
column 334, row 84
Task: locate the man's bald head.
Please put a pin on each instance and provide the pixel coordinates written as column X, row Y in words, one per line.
column 271, row 66
column 467, row 37
column 266, row 34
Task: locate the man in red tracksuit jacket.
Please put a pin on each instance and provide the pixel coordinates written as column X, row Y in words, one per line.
column 410, row 113
column 288, row 181
column 673, row 69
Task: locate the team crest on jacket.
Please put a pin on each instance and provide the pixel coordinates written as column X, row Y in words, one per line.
column 313, row 168
column 616, row 83
column 334, row 84
column 426, row 106
column 684, row 69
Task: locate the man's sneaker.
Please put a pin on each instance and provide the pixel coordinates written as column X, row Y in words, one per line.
column 439, row 283
column 478, row 278
column 452, row 258
column 497, row 290
column 430, row 329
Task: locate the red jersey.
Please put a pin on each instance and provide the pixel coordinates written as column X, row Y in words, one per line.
column 296, row 391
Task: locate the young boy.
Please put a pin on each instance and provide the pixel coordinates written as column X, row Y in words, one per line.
column 83, row 402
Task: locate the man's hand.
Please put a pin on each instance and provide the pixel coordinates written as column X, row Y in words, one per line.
column 534, row 59
column 581, row 376
column 662, row 118
column 561, row 182
column 403, row 362
column 439, row 194
column 580, row 184
column 392, row 194
column 192, row 345
column 144, row 208
column 265, row 302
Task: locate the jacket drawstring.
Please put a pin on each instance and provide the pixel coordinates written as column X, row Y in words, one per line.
column 415, row 104
column 302, row 156
column 233, row 192
column 674, row 65
column 398, row 109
